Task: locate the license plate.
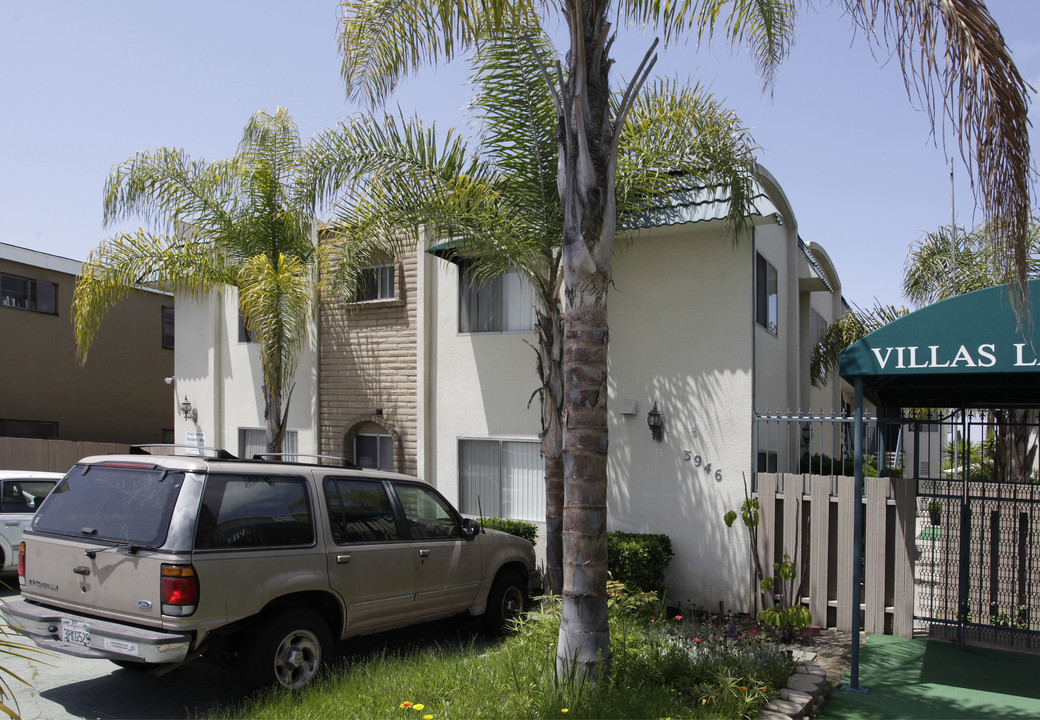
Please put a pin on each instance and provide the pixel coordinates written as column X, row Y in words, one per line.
column 74, row 632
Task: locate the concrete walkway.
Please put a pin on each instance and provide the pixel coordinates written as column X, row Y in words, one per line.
column 931, row 679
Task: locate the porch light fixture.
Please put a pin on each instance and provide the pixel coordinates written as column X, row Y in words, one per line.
column 188, row 411
column 655, row 423
column 806, row 433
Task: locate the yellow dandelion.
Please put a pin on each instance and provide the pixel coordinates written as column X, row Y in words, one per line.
column 420, row 706
column 427, row 717
column 564, row 710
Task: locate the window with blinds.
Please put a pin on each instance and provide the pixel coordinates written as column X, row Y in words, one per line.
column 502, row 478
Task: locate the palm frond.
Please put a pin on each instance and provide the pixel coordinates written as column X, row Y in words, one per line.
column 851, row 327
column 275, row 300
column 382, row 41
column 954, row 58
column 974, row 261
column 677, row 135
column 129, row 262
column 766, row 27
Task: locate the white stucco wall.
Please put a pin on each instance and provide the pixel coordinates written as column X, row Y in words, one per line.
column 476, row 385
column 773, row 358
column 681, row 317
column 222, row 377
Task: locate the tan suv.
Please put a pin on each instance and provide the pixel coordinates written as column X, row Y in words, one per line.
column 153, row 560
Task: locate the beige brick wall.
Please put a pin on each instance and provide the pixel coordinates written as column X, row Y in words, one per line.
column 368, row 365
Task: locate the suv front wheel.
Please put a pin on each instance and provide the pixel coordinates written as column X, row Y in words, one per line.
column 286, row 649
column 506, row 601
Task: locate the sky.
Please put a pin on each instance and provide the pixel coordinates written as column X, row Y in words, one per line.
column 89, row 84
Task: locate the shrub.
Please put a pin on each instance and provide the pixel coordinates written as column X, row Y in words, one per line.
column 638, row 559
column 520, row 528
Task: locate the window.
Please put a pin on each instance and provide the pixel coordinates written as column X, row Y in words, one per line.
column 167, row 327
column 244, row 336
column 767, row 308
column 502, row 478
column 131, row 505
column 501, row 304
column 24, row 495
column 375, row 283
column 359, row 511
column 253, row 441
column 28, row 294
column 374, row 451
column 39, row 429
column 245, row 511
column 428, row 516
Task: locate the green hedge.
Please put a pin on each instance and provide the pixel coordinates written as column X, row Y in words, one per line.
column 638, row 559
column 520, row 528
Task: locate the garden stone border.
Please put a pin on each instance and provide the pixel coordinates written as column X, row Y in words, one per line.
column 805, row 692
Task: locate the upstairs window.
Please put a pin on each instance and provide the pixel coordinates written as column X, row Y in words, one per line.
column 767, row 304
column 375, row 283
column 491, row 305
column 28, row 294
column 244, row 336
column 39, row 429
column 167, row 328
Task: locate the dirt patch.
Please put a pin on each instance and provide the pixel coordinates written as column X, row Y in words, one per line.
column 833, row 650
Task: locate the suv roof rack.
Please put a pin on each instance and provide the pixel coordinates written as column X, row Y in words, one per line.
column 283, row 457
column 218, row 453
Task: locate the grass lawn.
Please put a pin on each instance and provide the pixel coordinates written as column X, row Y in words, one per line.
column 662, row 667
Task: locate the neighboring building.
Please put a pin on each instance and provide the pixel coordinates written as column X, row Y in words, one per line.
column 118, row 396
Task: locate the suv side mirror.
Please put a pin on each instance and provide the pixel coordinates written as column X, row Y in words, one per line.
column 470, row 528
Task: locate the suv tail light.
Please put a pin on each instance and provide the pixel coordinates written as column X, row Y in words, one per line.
column 21, row 564
column 179, row 590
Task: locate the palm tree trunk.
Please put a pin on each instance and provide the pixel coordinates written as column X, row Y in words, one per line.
column 550, row 369
column 586, row 183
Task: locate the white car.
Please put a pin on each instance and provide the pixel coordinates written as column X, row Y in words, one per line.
column 21, row 492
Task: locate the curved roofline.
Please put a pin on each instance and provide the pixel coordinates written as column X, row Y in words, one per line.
column 826, row 264
column 777, row 195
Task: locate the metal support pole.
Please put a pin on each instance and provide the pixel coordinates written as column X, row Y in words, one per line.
column 857, row 541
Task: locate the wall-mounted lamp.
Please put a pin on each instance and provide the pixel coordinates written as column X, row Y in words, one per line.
column 188, row 411
column 806, row 433
column 655, row 423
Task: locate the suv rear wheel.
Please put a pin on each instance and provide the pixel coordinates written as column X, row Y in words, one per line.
column 287, row 649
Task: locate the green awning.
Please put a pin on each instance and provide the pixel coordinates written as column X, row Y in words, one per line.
column 968, row 351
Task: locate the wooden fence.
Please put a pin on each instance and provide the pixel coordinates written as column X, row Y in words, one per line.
column 810, row 518
column 49, row 455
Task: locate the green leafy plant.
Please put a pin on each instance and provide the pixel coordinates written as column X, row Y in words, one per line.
column 638, row 560
column 783, row 620
column 520, row 528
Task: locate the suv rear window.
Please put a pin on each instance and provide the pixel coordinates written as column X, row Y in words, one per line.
column 123, row 504
column 250, row 511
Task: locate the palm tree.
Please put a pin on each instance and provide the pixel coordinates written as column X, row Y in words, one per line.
column 499, row 204
column 979, row 89
column 241, row 221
